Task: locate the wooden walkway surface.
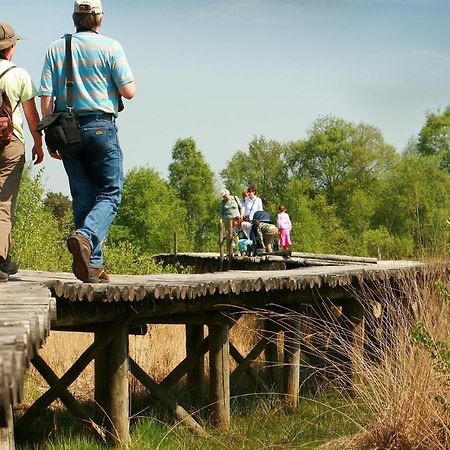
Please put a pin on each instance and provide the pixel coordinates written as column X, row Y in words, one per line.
column 34, row 302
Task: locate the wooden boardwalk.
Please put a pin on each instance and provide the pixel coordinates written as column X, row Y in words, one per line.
column 32, row 303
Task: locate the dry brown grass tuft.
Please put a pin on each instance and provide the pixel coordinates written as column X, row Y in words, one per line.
column 402, row 385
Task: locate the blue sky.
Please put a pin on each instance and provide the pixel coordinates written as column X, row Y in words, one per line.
column 224, row 72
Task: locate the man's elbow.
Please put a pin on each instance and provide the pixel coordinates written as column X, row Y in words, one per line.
column 128, row 90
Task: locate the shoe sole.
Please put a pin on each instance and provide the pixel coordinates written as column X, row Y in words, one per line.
column 102, row 278
column 80, row 264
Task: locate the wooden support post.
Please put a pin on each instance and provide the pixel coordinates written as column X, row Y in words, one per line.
column 196, row 374
column 353, row 311
column 7, row 433
column 101, row 381
column 272, row 359
column 117, row 368
column 292, row 362
column 219, row 373
column 307, row 377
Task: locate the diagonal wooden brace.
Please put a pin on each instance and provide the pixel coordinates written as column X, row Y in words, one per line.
column 184, row 366
column 244, row 364
column 66, row 397
column 165, row 398
column 71, row 375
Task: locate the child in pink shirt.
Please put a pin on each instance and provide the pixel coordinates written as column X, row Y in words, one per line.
column 284, row 226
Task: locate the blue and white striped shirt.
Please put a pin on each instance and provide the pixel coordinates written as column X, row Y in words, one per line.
column 99, row 66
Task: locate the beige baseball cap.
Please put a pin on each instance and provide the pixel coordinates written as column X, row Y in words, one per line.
column 88, row 6
column 8, row 36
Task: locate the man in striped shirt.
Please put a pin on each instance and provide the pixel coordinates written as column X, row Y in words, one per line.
column 94, row 167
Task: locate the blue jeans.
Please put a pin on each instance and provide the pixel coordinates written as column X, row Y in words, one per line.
column 95, row 171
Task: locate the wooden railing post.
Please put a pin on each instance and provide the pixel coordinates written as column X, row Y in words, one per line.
column 221, row 242
column 175, row 243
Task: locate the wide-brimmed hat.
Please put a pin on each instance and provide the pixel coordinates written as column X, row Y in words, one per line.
column 88, row 6
column 8, row 36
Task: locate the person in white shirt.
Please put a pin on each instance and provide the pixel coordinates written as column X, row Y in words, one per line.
column 252, row 204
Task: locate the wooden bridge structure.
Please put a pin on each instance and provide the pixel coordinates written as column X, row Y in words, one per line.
column 32, row 304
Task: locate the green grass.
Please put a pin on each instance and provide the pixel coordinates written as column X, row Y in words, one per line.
column 257, row 423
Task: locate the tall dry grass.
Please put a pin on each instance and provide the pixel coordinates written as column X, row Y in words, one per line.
column 402, row 380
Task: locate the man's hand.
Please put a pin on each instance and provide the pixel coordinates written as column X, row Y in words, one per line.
column 54, row 153
column 37, row 154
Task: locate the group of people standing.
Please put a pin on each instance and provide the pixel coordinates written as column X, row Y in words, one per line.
column 246, row 222
column 101, row 77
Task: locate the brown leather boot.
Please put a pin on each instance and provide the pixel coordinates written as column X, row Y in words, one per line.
column 98, row 275
column 79, row 246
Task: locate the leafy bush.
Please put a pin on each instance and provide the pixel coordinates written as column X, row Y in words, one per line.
column 40, row 239
column 382, row 244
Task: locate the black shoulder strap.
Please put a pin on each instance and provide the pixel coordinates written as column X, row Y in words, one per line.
column 7, row 70
column 4, row 73
column 69, row 73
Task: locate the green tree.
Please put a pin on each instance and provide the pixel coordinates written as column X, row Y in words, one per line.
column 344, row 164
column 150, row 214
column 58, row 203
column 339, row 157
column 315, row 226
column 193, row 180
column 415, row 204
column 434, row 137
column 263, row 166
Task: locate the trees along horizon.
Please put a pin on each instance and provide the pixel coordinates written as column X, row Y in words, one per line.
column 345, row 188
